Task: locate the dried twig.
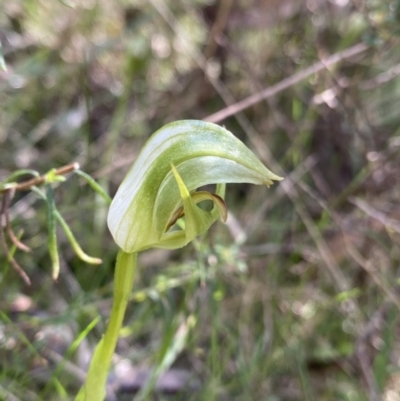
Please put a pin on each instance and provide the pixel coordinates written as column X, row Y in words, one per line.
column 6, row 213
column 382, row 78
column 326, row 254
column 27, row 185
column 3, row 222
column 376, row 214
column 287, row 82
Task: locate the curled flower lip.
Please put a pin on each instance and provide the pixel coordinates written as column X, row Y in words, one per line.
column 176, row 160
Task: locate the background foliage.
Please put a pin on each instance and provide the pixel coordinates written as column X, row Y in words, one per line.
column 296, row 298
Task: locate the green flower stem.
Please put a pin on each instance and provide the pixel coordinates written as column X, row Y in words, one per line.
column 94, row 387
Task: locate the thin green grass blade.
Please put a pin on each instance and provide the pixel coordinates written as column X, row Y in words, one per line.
column 69, row 234
column 82, row 335
column 18, row 173
column 51, row 226
column 95, row 186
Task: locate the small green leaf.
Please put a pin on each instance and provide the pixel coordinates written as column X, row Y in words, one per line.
column 52, row 177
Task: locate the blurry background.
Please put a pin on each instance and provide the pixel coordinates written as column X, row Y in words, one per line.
column 296, row 298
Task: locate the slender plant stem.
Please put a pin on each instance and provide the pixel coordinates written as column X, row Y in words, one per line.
column 94, row 388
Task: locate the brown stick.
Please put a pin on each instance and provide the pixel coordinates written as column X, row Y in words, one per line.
column 286, row 83
column 14, row 264
column 13, row 237
column 6, row 213
column 27, row 185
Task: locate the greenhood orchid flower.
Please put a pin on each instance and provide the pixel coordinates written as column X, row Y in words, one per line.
column 179, row 158
column 159, row 189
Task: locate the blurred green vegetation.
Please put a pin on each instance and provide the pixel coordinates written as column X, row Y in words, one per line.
column 297, row 297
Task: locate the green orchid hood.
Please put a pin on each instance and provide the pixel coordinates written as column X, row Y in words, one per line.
column 159, row 188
